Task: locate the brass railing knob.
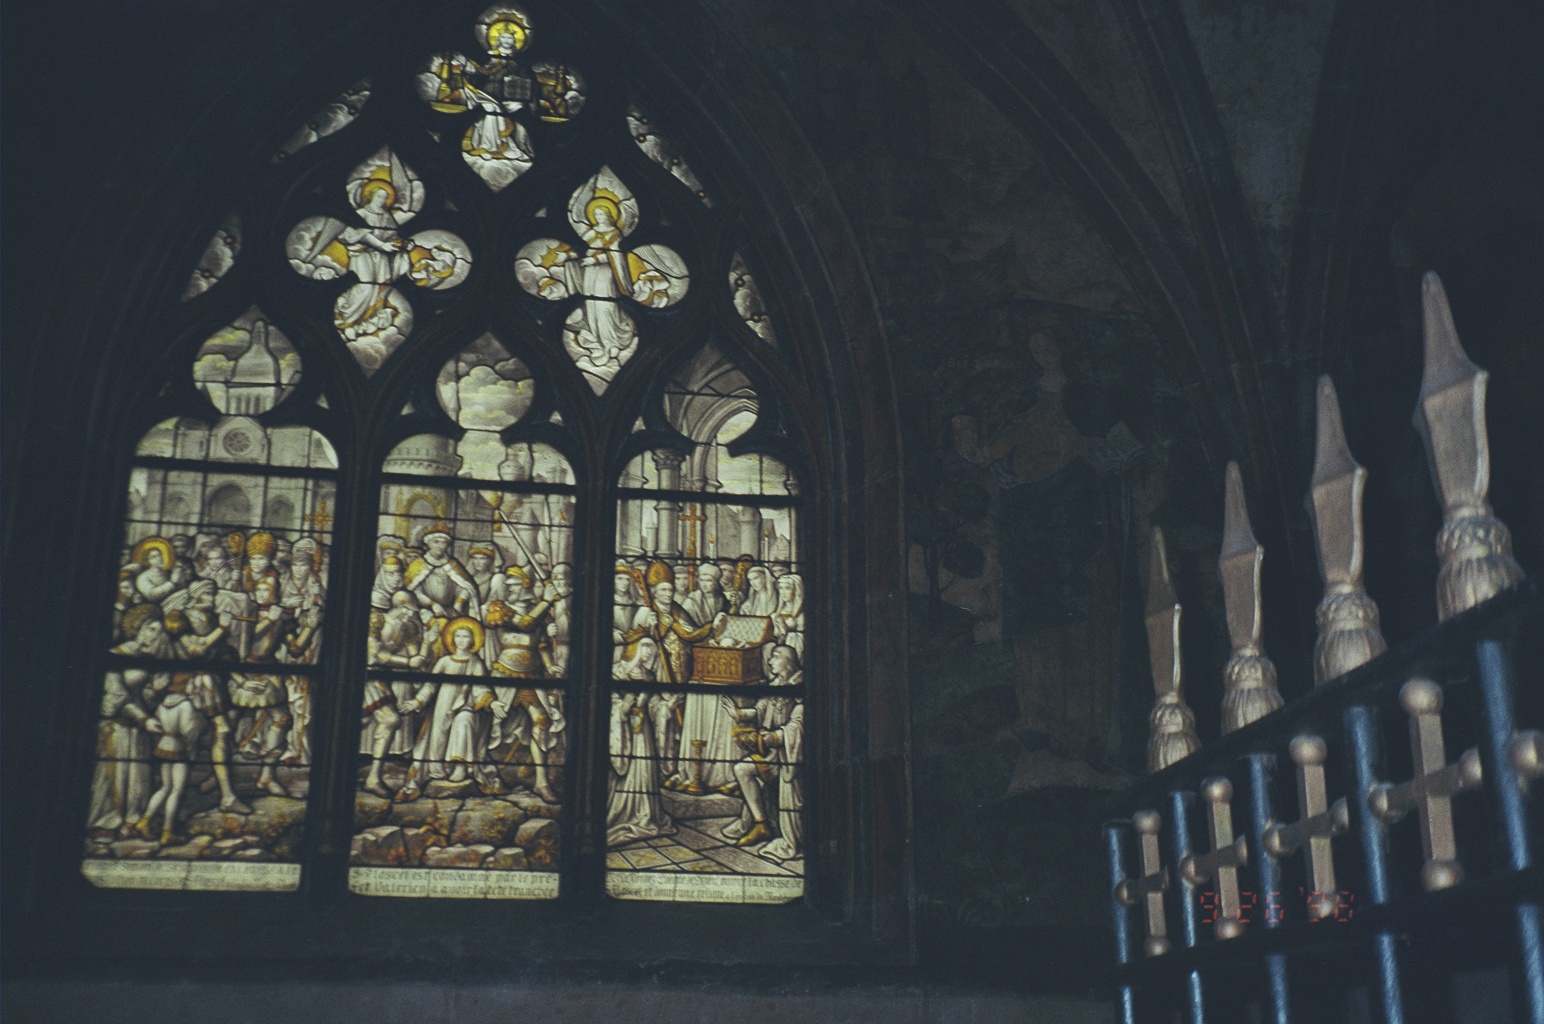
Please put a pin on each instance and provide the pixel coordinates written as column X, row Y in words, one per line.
column 1319, row 823
column 1149, row 889
column 1432, row 789
column 1528, row 754
column 1222, row 864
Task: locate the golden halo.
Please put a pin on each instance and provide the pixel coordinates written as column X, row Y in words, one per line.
column 149, row 544
column 507, row 27
column 608, row 203
column 374, row 185
column 448, row 634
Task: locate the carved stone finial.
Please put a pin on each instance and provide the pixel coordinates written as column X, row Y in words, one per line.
column 1172, row 727
column 1249, row 681
column 1474, row 548
column 1348, row 619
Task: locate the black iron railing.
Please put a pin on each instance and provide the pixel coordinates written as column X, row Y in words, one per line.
column 1454, row 884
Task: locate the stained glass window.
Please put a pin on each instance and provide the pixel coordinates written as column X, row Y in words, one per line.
column 547, row 365
column 223, row 248
column 470, row 611
column 204, row 748
column 332, row 117
column 705, row 797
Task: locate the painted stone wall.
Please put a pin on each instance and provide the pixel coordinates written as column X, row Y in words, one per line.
column 1042, row 431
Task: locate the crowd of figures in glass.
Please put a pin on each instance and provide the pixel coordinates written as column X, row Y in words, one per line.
column 705, row 796
column 203, row 752
column 463, row 726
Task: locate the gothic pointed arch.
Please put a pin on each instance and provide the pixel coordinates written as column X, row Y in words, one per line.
column 524, row 290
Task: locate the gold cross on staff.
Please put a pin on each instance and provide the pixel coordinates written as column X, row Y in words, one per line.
column 319, row 519
column 693, row 520
column 1150, row 887
column 1227, row 856
column 1431, row 791
column 1316, row 827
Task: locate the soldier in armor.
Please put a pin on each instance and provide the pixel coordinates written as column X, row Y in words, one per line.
column 523, row 713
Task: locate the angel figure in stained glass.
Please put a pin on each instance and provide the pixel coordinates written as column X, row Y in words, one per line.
column 372, row 317
column 599, row 335
column 377, row 257
column 606, row 336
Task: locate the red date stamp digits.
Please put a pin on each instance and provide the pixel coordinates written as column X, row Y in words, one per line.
column 1250, row 905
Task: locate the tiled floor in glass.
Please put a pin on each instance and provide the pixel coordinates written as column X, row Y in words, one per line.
column 698, row 846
